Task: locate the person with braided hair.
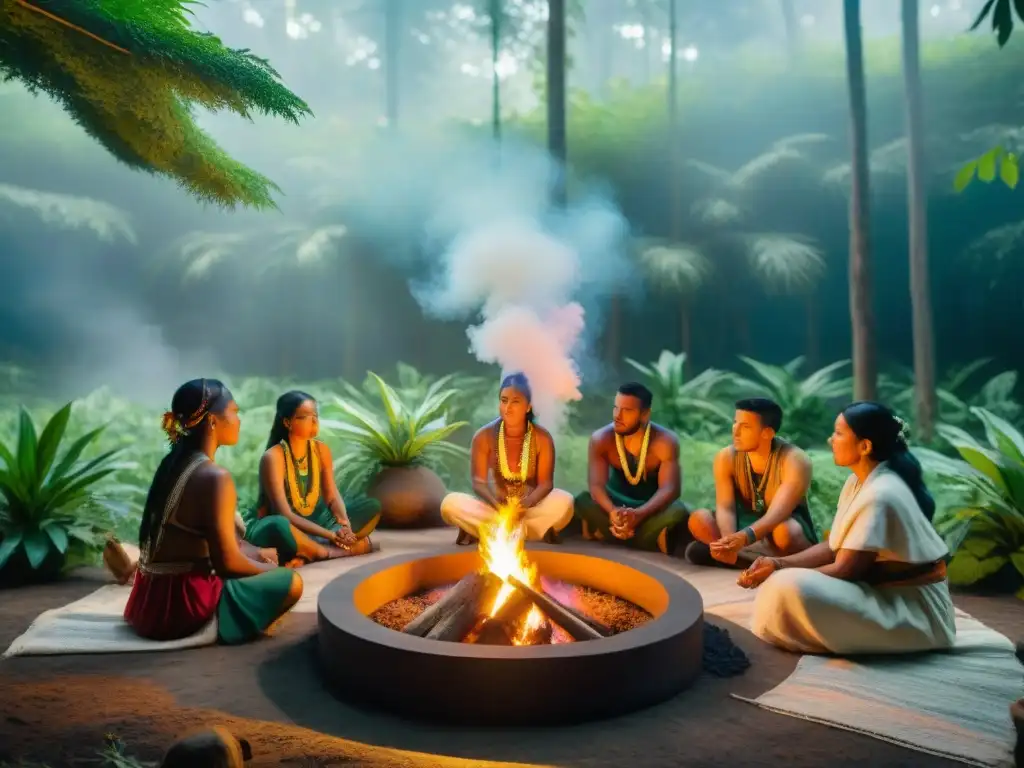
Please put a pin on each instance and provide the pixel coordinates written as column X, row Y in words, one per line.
column 191, row 568
column 878, row 584
column 300, row 512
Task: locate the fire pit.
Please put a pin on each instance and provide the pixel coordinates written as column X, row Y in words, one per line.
column 488, row 651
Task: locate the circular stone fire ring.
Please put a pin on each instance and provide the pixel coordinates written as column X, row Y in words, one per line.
column 469, row 684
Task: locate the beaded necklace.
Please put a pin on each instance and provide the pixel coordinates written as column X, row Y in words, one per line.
column 304, row 504
column 641, row 467
column 524, row 457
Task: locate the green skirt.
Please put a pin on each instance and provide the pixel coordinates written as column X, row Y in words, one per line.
column 658, row 533
column 275, row 532
column 248, row 606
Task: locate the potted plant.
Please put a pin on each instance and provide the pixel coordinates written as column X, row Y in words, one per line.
column 48, row 507
column 395, row 447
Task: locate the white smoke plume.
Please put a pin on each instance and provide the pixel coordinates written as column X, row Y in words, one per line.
column 520, row 268
column 521, row 280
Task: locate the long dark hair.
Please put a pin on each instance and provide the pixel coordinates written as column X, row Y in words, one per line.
column 520, row 384
column 287, row 405
column 192, row 403
column 888, row 435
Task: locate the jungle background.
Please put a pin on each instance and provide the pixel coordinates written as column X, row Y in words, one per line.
column 731, row 170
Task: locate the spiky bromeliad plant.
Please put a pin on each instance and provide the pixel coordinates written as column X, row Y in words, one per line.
column 397, row 448
column 48, row 505
column 130, row 73
column 985, row 527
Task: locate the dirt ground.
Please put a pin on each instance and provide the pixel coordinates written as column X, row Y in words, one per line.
column 59, row 708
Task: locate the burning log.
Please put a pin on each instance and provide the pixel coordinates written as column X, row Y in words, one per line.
column 500, row 629
column 540, row 635
column 469, row 591
column 461, row 615
column 558, row 613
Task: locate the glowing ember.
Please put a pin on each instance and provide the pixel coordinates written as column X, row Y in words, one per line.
column 502, row 548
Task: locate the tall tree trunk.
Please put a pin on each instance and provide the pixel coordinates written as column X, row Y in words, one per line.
column 794, row 40
column 556, row 96
column 392, row 52
column 917, row 201
column 862, row 315
column 495, row 11
column 675, row 192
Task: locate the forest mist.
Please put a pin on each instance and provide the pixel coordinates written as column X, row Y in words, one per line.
column 119, row 278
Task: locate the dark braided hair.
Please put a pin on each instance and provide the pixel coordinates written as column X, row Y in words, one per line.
column 190, row 406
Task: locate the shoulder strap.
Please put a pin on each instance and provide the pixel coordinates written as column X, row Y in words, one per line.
column 174, row 498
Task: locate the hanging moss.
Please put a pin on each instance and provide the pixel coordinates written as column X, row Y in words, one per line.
column 131, row 71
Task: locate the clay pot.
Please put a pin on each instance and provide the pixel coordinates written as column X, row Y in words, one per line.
column 410, row 497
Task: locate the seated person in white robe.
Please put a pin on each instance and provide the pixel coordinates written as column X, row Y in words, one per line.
column 511, row 458
column 878, row 585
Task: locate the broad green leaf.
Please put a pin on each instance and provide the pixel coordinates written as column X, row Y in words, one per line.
column 979, row 546
column 965, row 569
column 27, row 447
column 1001, row 434
column 987, row 164
column 37, row 546
column 8, row 544
column 1009, row 171
column 1017, row 558
column 58, row 536
column 49, row 440
column 965, row 176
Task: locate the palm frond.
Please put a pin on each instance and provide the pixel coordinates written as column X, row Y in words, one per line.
column 802, row 141
column 787, row 263
column 716, row 211
column 779, row 159
column 678, row 267
column 104, row 220
column 997, row 246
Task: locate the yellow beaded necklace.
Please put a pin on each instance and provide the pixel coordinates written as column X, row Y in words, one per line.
column 641, row 467
column 304, row 505
column 524, row 456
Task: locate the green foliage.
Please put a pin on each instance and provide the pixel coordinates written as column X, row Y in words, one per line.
column 699, row 408
column 1001, row 13
column 48, row 505
column 984, row 526
column 958, row 394
column 985, row 169
column 397, row 433
column 808, row 404
column 130, row 72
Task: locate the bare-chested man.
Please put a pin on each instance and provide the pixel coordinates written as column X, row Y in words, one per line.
column 634, row 479
column 761, row 484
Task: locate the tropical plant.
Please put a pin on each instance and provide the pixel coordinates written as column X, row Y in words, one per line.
column 697, row 407
column 957, row 394
column 130, row 74
column 50, row 507
column 399, row 434
column 807, row 404
column 984, row 526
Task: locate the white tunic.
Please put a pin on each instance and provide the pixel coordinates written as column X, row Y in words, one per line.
column 803, row 610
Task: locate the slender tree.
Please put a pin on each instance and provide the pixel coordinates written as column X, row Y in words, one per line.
column 862, row 315
column 556, row 95
column 926, row 405
column 393, row 60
